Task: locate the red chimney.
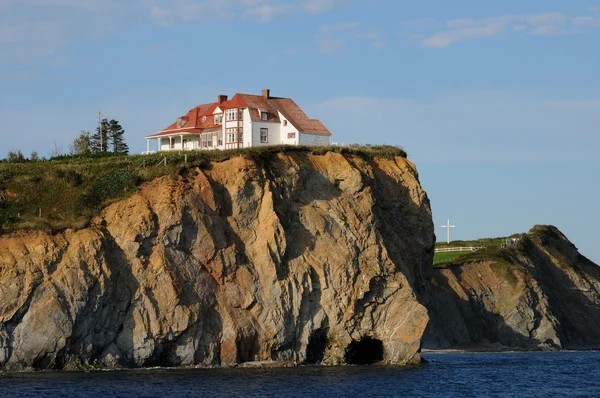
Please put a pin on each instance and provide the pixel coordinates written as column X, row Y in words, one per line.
column 266, row 93
column 222, row 98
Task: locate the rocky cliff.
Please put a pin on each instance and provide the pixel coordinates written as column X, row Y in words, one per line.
column 303, row 257
column 540, row 294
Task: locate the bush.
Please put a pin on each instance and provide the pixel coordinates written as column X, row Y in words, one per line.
column 113, row 184
column 70, row 176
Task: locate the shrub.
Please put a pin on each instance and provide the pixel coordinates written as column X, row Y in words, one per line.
column 113, row 184
column 70, row 176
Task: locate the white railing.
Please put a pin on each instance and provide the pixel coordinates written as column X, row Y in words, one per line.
column 459, row 249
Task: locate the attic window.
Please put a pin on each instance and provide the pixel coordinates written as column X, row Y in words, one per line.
column 181, row 122
column 264, row 116
column 285, row 122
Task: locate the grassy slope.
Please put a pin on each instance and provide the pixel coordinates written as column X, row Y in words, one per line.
column 70, row 190
column 492, row 251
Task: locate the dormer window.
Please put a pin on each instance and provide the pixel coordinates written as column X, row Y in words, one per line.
column 264, row 116
column 219, row 119
column 181, row 122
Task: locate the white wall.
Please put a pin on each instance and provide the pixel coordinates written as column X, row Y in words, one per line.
column 288, row 129
column 247, row 129
column 314, row 139
column 273, row 137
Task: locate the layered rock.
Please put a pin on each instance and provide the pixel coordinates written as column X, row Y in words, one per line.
column 299, row 257
column 541, row 294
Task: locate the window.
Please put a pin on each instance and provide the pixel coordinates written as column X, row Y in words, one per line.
column 231, row 135
column 209, row 142
column 231, row 114
column 241, row 136
column 241, row 114
column 264, row 136
column 285, row 122
column 264, row 116
column 291, row 136
column 220, row 139
column 219, row 119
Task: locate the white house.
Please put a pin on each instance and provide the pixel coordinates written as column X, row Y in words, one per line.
column 244, row 121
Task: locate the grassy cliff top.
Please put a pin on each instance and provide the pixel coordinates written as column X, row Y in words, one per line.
column 68, row 190
column 493, row 248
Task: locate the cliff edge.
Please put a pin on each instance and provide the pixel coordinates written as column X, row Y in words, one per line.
column 301, row 257
column 540, row 294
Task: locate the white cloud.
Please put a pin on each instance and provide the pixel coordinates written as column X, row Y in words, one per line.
column 585, row 21
column 263, row 10
column 447, row 38
column 552, row 18
column 548, row 30
column 458, row 30
column 35, row 30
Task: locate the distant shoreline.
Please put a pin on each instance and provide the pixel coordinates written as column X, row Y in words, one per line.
column 503, row 350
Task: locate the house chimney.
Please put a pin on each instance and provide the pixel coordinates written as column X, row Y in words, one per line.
column 222, row 98
column 266, row 93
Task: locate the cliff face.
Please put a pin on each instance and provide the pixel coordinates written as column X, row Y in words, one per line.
column 300, row 257
column 541, row 294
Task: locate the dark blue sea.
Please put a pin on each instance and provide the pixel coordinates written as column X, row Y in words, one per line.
column 448, row 375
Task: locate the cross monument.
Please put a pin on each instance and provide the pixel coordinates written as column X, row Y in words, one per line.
column 448, row 226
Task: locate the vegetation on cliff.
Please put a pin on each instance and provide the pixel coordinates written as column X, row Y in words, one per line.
column 302, row 257
column 537, row 293
column 65, row 191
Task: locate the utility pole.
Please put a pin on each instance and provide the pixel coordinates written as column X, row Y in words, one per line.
column 100, row 129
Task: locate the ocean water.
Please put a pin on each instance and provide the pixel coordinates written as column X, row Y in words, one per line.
column 459, row 375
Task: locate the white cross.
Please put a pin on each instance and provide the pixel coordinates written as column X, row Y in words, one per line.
column 448, row 226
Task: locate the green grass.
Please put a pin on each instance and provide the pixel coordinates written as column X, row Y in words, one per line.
column 487, row 242
column 440, row 258
column 69, row 190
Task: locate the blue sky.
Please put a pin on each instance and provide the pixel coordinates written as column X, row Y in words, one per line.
column 498, row 103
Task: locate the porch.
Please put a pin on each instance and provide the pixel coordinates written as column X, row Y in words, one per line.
column 174, row 142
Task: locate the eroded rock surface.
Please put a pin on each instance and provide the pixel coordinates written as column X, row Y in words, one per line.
column 542, row 294
column 292, row 258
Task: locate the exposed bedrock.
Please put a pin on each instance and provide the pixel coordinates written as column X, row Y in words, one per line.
column 317, row 258
column 542, row 294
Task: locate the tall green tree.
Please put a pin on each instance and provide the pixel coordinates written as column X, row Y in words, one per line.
column 99, row 140
column 116, row 135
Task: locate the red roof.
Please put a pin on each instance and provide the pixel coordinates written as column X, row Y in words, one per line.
column 194, row 122
column 201, row 117
column 288, row 108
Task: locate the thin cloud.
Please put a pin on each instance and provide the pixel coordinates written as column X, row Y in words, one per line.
column 464, row 29
column 34, row 30
column 548, row 31
column 471, row 127
column 330, row 38
column 168, row 12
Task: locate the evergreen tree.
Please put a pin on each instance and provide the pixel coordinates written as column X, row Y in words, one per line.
column 99, row 141
column 116, row 135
